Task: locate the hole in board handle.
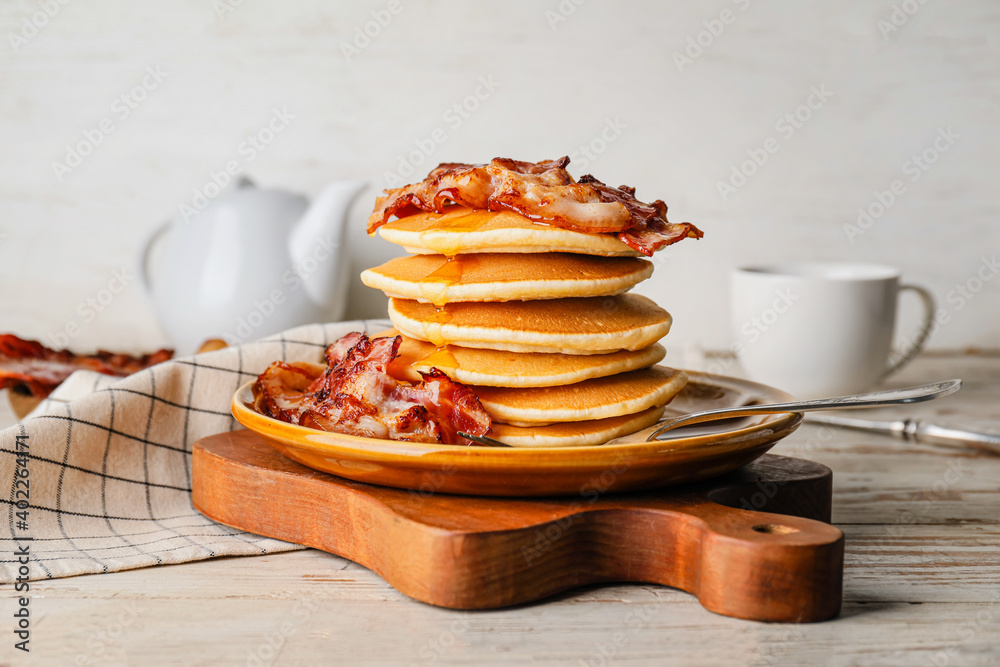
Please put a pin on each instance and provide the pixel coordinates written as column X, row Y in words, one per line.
column 775, row 529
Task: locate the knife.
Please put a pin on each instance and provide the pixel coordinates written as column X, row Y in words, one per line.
column 917, row 431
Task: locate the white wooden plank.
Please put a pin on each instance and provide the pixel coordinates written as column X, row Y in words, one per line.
column 650, row 630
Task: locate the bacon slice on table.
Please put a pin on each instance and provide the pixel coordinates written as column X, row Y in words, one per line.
column 354, row 394
column 28, row 366
column 543, row 192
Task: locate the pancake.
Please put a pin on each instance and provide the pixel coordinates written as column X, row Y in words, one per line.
column 575, row 434
column 599, row 398
column 579, row 325
column 463, row 230
column 504, row 277
column 498, row 368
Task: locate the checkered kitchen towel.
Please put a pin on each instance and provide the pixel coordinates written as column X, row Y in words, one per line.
column 108, row 463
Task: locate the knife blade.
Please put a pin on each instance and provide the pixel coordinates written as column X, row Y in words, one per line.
column 917, row 431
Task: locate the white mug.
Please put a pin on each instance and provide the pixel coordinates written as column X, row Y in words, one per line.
column 818, row 329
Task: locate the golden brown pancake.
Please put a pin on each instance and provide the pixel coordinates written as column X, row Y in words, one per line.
column 505, row 276
column 575, row 434
column 462, row 230
column 613, row 396
column 499, row 368
column 591, row 325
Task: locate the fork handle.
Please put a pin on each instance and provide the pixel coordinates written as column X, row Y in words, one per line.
column 874, row 399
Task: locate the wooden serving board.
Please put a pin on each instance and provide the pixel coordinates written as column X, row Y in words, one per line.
column 778, row 561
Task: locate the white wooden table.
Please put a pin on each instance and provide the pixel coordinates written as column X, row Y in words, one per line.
column 921, row 585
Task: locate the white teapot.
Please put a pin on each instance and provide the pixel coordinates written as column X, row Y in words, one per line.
column 252, row 263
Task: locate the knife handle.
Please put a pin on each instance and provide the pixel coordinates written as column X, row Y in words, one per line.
column 950, row 437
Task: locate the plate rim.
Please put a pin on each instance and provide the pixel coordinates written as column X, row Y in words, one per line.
column 377, row 449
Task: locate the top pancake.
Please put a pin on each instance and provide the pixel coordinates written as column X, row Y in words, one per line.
column 591, row 325
column 505, row 277
column 462, row 230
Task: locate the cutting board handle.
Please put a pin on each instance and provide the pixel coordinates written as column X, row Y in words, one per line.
column 746, row 564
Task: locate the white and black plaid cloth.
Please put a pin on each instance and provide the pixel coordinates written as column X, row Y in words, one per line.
column 108, row 463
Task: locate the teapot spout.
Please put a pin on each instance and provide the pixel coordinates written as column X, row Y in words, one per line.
column 316, row 245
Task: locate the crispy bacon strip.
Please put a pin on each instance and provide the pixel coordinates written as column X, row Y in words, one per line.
column 353, row 394
column 28, row 366
column 542, row 191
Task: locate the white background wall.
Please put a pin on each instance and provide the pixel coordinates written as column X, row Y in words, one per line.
column 560, row 82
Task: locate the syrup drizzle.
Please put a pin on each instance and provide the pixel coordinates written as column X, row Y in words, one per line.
column 432, row 326
column 435, row 285
column 445, row 236
column 441, row 358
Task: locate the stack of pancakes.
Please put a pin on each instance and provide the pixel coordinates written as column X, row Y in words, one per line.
column 535, row 318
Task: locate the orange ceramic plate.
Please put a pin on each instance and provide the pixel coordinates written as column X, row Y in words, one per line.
column 703, row 452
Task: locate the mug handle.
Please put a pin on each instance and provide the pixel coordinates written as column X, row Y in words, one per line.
column 923, row 333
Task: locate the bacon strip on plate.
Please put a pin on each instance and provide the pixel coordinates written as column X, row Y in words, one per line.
column 354, row 394
column 30, row 367
column 543, row 192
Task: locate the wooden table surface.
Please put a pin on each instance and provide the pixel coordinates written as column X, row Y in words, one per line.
column 921, row 584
